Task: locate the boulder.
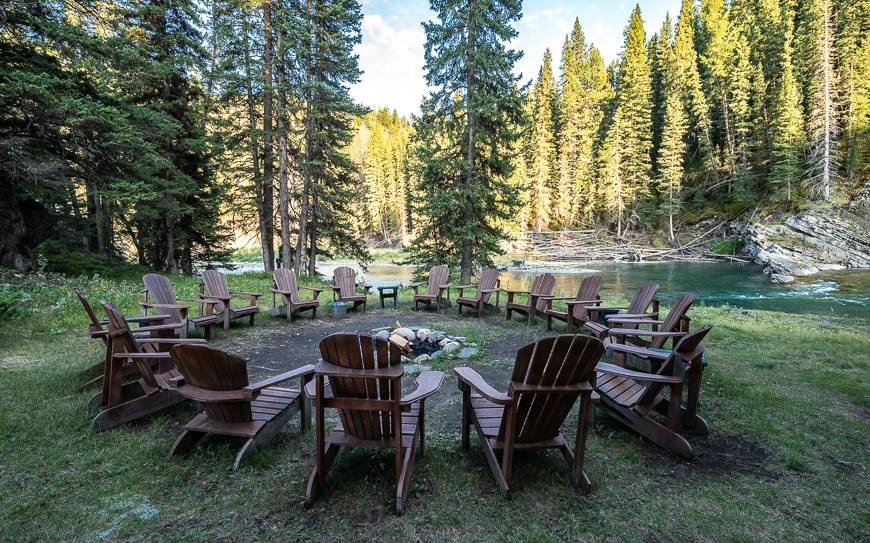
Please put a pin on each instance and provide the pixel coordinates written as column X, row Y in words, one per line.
column 467, row 352
column 436, row 336
column 444, row 342
column 423, row 333
column 406, row 333
column 422, row 359
column 383, row 334
column 451, row 347
column 781, row 278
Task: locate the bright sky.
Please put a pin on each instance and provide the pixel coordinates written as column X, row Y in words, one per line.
column 391, row 52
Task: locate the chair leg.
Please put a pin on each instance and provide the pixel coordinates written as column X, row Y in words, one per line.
column 185, row 442
column 251, row 321
column 422, row 426
column 578, row 476
column 317, row 477
column 466, row 415
column 549, row 323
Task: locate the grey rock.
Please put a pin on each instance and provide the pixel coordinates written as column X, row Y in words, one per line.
column 781, row 278
column 444, row 341
column 422, row 359
column 383, row 334
column 436, row 336
column 423, row 333
column 467, row 352
column 406, row 333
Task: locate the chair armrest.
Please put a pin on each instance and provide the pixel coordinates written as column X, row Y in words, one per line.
column 167, row 306
column 461, row 287
column 144, row 318
column 563, row 389
column 312, row 289
column 333, row 370
column 254, row 295
column 141, row 356
column 632, row 332
column 194, row 300
column 198, row 394
column 428, row 383
column 172, row 341
column 556, row 298
column 473, row 379
column 488, row 290
column 577, row 302
column 632, row 315
column 637, row 321
column 315, row 292
column 277, row 291
column 635, row 350
column 612, row 369
column 158, row 327
column 612, row 307
column 511, row 291
column 307, row 369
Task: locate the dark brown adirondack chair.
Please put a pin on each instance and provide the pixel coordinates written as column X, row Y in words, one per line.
column 345, row 285
column 97, row 331
column 365, row 376
column 577, row 312
column 487, row 283
column 537, row 297
column 284, row 284
column 641, row 300
column 439, row 281
column 675, row 326
column 214, row 288
column 233, row 406
column 631, row 396
column 158, row 295
column 548, row 377
column 126, row 402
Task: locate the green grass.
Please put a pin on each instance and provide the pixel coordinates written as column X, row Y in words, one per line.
column 786, row 396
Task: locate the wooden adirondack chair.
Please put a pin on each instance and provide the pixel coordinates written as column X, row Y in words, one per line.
column 126, row 402
column 587, row 295
column 345, row 285
column 284, row 284
column 487, row 283
column 97, row 331
column 631, row 396
column 675, row 326
column 233, row 406
column 548, row 377
column 439, row 281
column 641, row 300
column 365, row 375
column 158, row 295
column 537, row 300
column 214, row 288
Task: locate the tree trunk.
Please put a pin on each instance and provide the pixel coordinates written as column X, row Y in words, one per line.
column 467, row 243
column 171, row 264
column 268, row 166
column 302, row 236
column 254, row 143
column 283, row 189
column 312, row 255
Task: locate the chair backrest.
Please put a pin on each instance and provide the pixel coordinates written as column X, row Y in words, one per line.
column 360, row 352
column 345, row 278
column 488, row 280
column 438, row 276
column 543, row 286
column 284, row 280
column 675, row 319
column 589, row 289
column 95, row 325
column 216, row 285
column 643, row 297
column 212, row 369
column 159, row 289
column 688, row 348
column 550, row 362
column 122, row 341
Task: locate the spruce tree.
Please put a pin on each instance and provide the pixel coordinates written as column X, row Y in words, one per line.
column 853, row 66
column 673, row 146
column 787, row 139
column 545, row 193
column 466, row 133
column 822, row 93
column 739, row 89
column 716, row 37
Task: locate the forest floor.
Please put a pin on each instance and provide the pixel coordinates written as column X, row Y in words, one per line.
column 787, row 398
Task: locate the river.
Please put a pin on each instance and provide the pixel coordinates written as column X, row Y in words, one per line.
column 839, row 294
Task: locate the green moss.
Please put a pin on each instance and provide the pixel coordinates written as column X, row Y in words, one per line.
column 728, row 246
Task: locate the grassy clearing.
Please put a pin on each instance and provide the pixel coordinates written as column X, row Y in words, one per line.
column 786, row 396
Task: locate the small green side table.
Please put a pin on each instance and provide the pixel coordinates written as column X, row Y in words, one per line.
column 389, row 291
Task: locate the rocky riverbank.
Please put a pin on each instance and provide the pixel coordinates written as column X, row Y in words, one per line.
column 811, row 242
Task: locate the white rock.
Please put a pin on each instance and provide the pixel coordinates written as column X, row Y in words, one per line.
column 423, row 333
column 444, row 342
column 781, row 278
column 406, row 333
column 422, row 359
column 451, row 347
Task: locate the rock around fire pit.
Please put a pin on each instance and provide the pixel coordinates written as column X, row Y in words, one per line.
column 421, row 345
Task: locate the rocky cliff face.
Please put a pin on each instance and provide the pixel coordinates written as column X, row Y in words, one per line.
column 810, row 242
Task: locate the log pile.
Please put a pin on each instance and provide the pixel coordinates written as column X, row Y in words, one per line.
column 596, row 246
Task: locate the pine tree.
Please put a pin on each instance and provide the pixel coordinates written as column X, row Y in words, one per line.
column 717, row 50
column 673, row 146
column 853, row 65
column 545, row 194
column 661, row 47
column 322, row 41
column 739, row 89
column 572, row 101
column 822, row 123
column 689, row 80
column 634, row 123
column 466, row 133
column 787, row 128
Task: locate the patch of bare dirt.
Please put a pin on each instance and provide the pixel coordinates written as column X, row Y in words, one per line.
column 719, row 455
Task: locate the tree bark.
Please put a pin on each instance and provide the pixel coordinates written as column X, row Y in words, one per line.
column 254, row 143
column 302, row 237
column 268, row 166
column 283, row 190
column 13, row 253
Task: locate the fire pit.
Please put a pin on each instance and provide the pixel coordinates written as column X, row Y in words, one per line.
column 421, row 345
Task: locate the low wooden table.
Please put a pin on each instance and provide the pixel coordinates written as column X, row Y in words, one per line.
column 389, row 291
